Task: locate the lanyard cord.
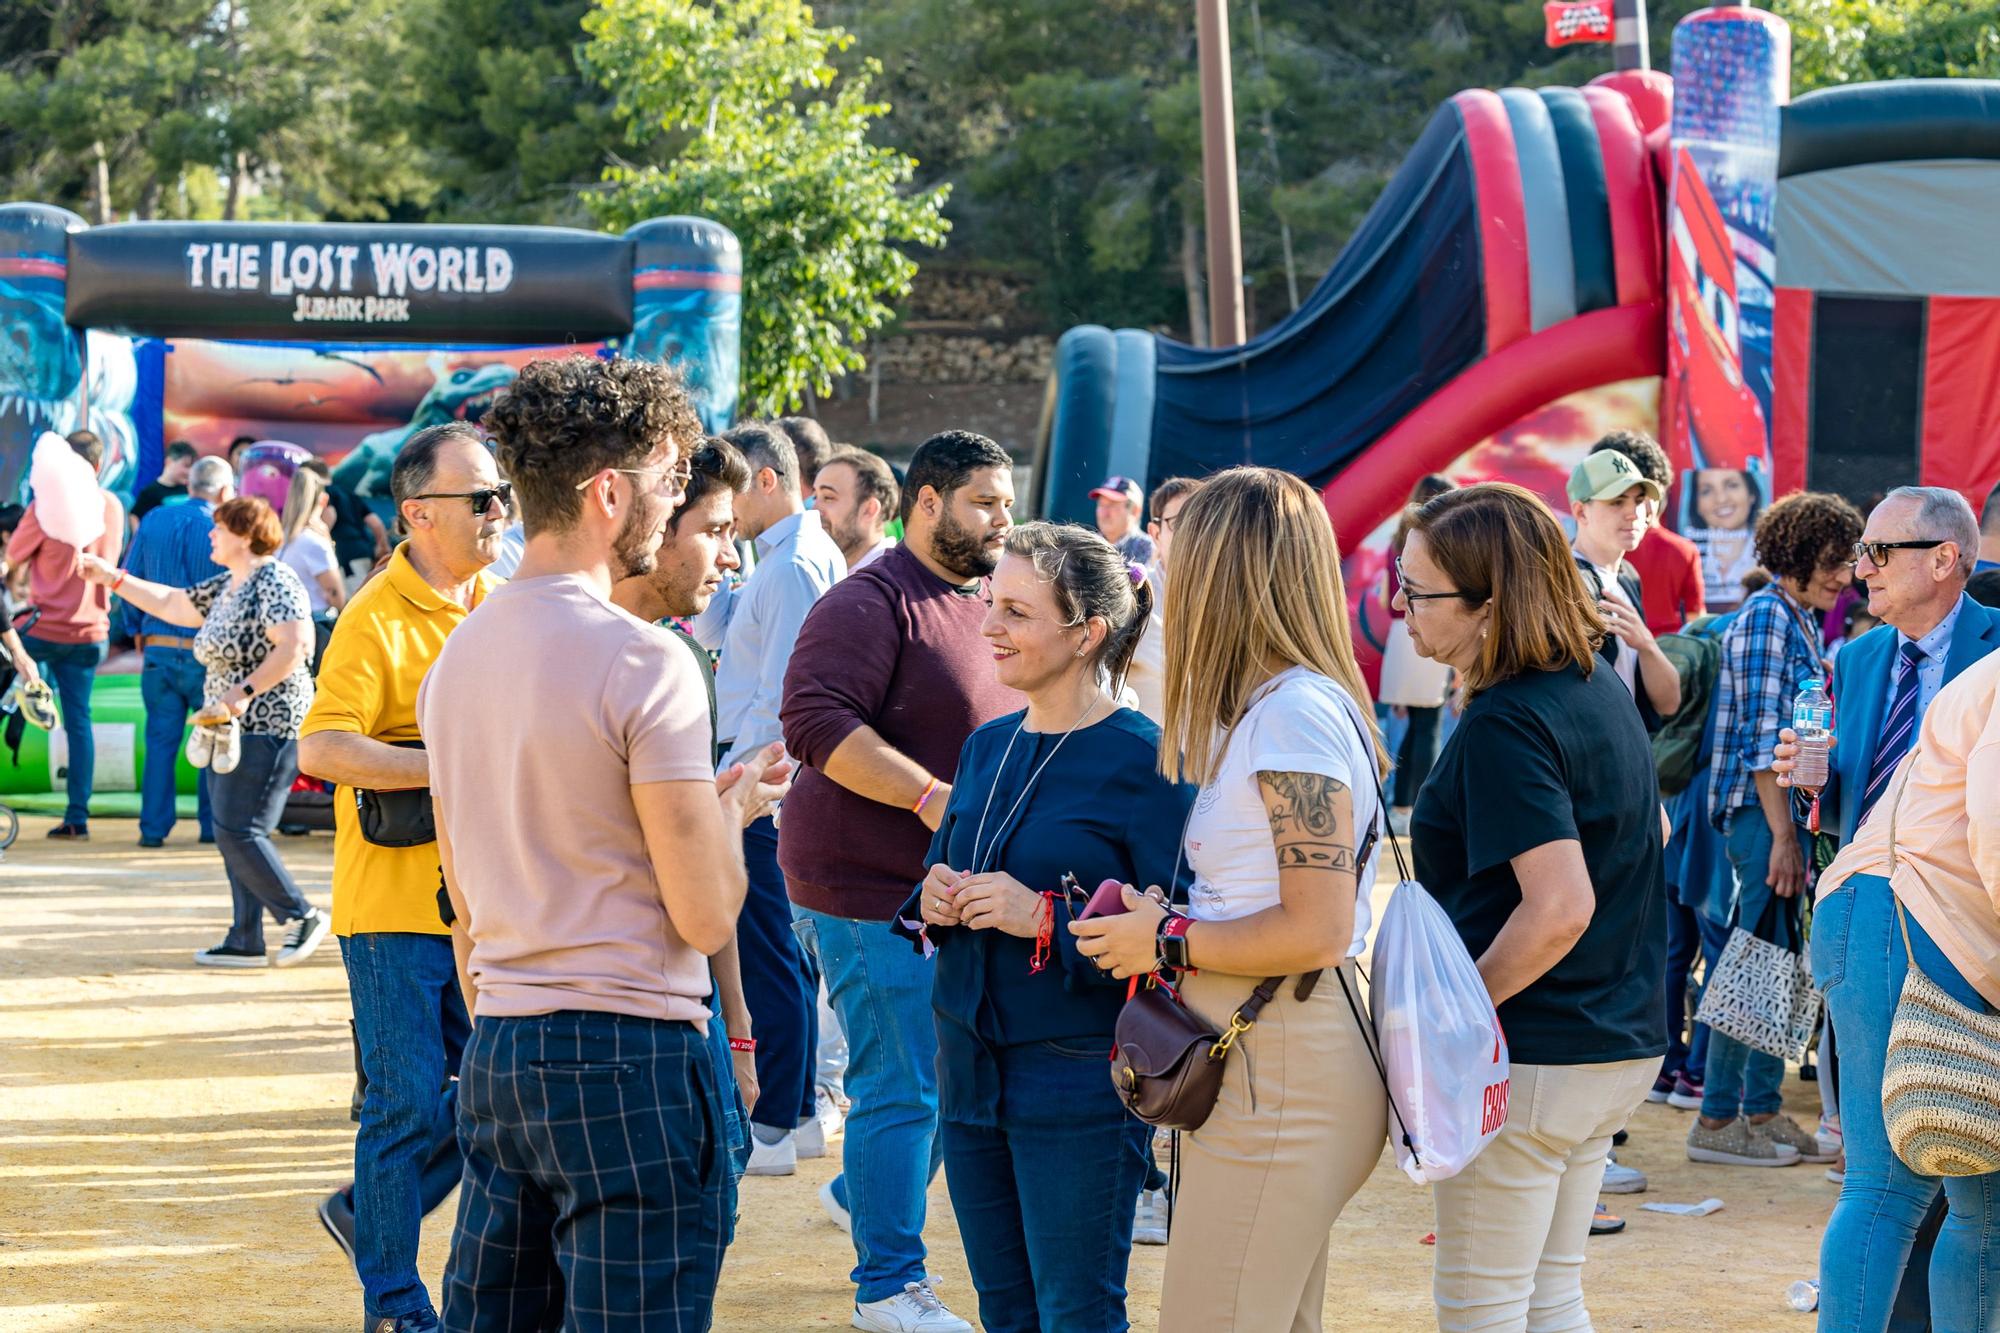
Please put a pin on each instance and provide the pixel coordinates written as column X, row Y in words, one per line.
column 979, row 858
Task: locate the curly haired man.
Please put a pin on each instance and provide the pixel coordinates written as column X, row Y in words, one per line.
column 590, row 870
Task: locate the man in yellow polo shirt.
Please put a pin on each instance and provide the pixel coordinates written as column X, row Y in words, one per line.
column 409, row 1015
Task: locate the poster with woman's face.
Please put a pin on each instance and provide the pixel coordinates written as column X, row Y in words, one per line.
column 1719, row 508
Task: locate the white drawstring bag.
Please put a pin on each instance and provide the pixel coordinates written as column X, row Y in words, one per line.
column 1444, row 1057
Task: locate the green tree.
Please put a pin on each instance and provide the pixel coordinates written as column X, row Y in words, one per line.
column 1850, row 41
column 751, row 125
column 112, row 106
column 515, row 130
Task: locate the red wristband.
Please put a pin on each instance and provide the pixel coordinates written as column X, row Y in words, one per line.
column 118, row 582
column 742, row 1043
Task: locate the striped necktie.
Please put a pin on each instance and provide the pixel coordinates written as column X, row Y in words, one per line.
column 1897, row 732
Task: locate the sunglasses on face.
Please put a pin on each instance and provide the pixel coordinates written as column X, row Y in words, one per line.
column 1877, row 553
column 481, row 499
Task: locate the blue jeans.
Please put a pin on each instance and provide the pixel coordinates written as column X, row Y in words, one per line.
column 735, row 1124
column 881, row 989
column 248, row 801
column 1737, row 1080
column 171, row 685
column 593, row 1198
column 1683, row 947
column 781, row 986
column 1044, row 1200
column 410, row 1022
column 1858, row 960
column 73, row 667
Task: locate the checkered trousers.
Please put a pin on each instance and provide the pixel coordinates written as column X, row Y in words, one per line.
column 595, row 1178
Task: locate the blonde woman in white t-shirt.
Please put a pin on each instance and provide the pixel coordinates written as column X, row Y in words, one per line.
column 1264, row 712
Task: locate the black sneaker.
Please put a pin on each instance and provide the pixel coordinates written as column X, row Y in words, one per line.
column 70, row 833
column 302, row 938
column 336, row 1214
column 224, row 956
column 423, row 1321
column 150, row 843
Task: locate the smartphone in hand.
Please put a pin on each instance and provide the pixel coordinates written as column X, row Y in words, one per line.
column 1109, row 900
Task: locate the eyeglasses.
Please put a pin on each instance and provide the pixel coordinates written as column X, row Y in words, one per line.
column 482, row 499
column 675, row 483
column 1877, row 553
column 1409, row 596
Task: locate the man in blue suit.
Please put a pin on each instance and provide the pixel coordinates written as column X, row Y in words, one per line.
column 1914, row 556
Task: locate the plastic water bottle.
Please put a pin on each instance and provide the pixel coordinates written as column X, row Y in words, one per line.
column 1812, row 719
column 1804, row 1295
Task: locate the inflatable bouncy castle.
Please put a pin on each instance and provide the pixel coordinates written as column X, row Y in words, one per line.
column 344, row 340
column 1785, row 294
column 316, row 340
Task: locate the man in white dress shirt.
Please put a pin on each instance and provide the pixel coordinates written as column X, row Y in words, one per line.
column 796, row 563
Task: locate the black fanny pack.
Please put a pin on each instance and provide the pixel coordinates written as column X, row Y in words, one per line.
column 400, row 818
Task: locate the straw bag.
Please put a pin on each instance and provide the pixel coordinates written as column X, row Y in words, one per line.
column 1941, row 1085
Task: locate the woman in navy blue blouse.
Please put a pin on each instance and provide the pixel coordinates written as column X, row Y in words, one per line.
column 1043, row 1162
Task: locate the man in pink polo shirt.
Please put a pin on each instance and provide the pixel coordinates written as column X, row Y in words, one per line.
column 70, row 638
column 591, row 870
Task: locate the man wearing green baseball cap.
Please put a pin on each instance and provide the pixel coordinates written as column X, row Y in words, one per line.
column 1613, row 503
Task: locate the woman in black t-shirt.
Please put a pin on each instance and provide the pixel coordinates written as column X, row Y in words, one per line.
column 1539, row 833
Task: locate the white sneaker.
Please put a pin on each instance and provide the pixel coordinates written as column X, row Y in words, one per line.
column 200, row 746
column 1828, row 1136
column 840, row 1216
column 1622, row 1179
column 304, row 936
column 773, row 1159
column 1149, row 1222
column 228, row 747
column 809, row 1140
column 831, row 1112
column 914, row 1309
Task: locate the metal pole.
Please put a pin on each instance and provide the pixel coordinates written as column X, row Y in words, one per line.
column 1631, row 47
column 1218, row 171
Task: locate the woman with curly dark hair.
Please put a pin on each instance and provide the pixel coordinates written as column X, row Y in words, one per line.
column 1806, row 542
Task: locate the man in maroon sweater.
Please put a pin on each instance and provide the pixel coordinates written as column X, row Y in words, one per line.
column 888, row 678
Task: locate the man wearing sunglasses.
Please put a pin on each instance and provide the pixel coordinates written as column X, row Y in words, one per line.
column 1914, row 557
column 410, row 1023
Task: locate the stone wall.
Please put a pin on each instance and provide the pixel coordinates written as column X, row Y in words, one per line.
column 923, row 357
column 966, row 326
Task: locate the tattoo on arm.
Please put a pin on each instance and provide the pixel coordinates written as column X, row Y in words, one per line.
column 1310, row 814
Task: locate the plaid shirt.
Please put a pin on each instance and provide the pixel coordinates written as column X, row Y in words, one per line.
column 1766, row 652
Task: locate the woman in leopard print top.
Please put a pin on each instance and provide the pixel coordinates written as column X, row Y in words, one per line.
column 254, row 636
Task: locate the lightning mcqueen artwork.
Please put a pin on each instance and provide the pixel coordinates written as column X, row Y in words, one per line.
column 1715, row 420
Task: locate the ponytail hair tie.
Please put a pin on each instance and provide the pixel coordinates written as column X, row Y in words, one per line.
column 1136, row 572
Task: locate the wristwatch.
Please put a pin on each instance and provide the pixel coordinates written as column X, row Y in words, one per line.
column 1172, row 939
column 249, row 690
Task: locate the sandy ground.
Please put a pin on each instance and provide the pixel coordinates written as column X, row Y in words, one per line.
column 166, row 1130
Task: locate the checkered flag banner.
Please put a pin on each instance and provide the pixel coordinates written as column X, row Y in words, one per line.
column 1571, row 21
